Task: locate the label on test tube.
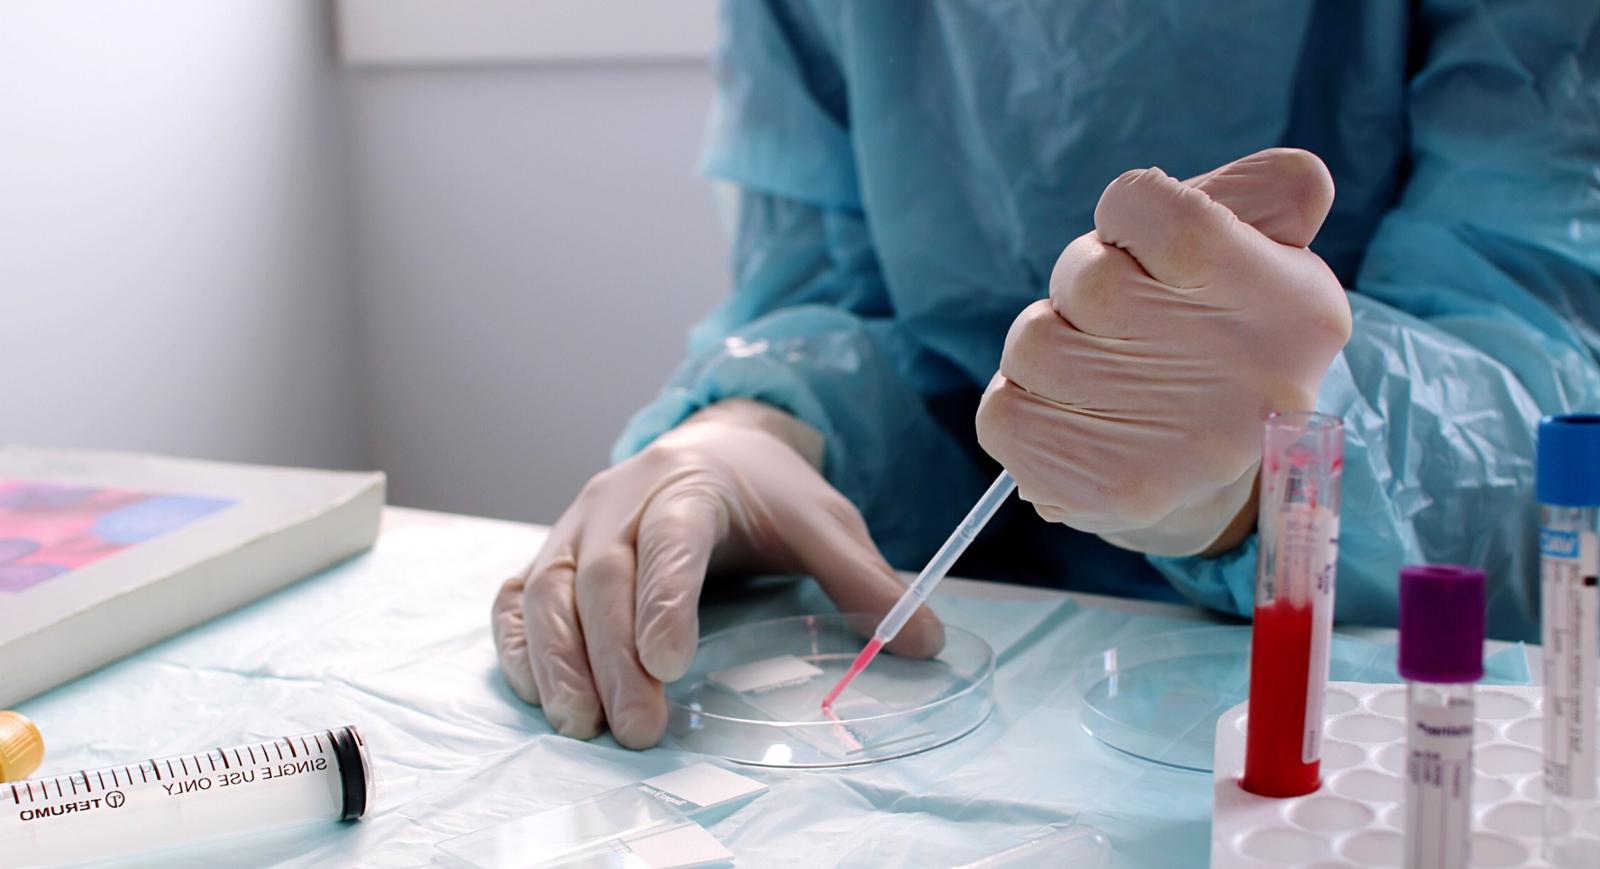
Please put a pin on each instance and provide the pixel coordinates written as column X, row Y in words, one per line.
column 1569, row 564
column 1439, row 784
column 1325, row 552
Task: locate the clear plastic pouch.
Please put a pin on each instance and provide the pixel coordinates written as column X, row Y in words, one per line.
column 681, row 845
column 585, row 828
column 1078, row 846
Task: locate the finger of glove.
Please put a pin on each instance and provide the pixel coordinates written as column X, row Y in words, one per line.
column 1094, row 472
column 1177, row 233
column 634, row 706
column 831, row 542
column 678, row 531
column 1285, row 193
column 511, row 639
column 557, row 653
column 1047, row 355
column 1102, row 290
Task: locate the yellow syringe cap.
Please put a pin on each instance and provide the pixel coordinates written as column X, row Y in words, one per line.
column 21, row 747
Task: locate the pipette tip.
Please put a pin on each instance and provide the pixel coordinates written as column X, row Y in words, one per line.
column 856, row 666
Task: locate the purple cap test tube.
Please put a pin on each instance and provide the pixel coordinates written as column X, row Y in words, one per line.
column 1441, row 623
column 1441, row 656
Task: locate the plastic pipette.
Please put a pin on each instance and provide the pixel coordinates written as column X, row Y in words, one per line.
column 927, row 580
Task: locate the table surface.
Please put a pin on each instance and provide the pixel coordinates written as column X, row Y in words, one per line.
column 397, row 642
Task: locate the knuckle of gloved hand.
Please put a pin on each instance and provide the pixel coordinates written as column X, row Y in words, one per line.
column 506, row 619
column 664, row 532
column 1131, row 197
column 1073, row 256
column 1332, row 315
column 596, row 487
column 694, row 497
column 669, row 451
column 1297, row 277
column 689, row 446
column 1132, row 183
column 611, row 566
column 509, row 597
column 546, row 582
column 1033, row 332
column 996, row 423
column 839, row 508
column 1093, row 286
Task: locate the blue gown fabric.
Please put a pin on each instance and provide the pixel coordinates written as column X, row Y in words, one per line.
column 909, row 172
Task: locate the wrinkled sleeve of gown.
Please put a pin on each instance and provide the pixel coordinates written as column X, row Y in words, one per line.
column 1476, row 311
column 809, row 327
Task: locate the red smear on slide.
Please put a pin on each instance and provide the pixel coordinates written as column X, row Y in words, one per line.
column 859, row 664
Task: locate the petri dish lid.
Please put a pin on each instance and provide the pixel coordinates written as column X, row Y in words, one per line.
column 1159, row 697
column 754, row 694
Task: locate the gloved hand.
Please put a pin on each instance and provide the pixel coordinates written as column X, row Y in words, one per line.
column 1130, row 402
column 607, row 612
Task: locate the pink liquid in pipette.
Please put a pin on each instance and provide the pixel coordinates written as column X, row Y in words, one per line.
column 856, row 666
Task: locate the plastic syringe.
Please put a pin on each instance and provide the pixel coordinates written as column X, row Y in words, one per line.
column 920, row 589
column 96, row 814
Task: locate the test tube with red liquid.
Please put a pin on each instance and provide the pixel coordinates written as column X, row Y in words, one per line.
column 1302, row 459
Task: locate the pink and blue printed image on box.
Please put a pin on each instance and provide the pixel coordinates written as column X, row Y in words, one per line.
column 48, row 530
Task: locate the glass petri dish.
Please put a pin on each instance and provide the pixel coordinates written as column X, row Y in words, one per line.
column 754, row 694
column 1159, row 697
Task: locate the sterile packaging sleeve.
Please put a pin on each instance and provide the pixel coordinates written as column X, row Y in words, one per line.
column 589, row 828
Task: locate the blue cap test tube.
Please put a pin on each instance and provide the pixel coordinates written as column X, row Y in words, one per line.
column 1568, row 478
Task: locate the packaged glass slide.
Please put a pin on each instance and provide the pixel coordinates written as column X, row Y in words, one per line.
column 614, row 827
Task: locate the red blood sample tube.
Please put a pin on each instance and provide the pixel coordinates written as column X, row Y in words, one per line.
column 1298, row 544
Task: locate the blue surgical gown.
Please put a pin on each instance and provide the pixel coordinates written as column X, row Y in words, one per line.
column 909, row 172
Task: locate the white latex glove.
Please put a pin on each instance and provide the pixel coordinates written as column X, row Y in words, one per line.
column 608, row 611
column 1130, row 402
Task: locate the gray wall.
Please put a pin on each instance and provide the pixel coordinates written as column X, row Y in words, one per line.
column 215, row 241
column 533, row 244
column 173, row 272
